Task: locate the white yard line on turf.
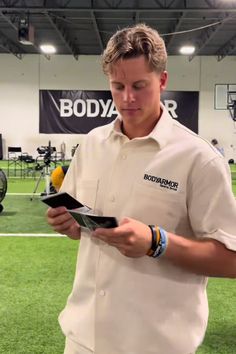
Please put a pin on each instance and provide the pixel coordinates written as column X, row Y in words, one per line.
column 31, row 235
column 23, row 194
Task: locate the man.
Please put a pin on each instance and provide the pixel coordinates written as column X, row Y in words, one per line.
column 140, row 288
column 217, row 146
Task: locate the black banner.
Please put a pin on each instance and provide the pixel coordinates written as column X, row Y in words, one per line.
column 78, row 112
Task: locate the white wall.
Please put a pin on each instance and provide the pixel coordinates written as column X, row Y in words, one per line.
column 20, row 81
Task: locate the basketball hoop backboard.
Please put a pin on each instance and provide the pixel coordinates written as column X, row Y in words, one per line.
column 225, row 94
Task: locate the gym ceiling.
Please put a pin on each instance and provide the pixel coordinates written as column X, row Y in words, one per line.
column 83, row 27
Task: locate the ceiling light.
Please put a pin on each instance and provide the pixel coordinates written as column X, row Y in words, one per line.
column 187, row 50
column 48, row 48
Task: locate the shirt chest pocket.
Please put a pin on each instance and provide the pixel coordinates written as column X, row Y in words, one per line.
column 87, row 192
column 157, row 206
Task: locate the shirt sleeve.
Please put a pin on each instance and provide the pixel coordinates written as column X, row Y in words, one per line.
column 212, row 205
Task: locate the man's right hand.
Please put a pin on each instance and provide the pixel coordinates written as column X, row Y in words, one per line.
column 62, row 222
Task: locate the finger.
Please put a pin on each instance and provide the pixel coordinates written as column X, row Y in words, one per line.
column 124, row 221
column 65, row 226
column 108, row 233
column 113, row 237
column 60, row 219
column 52, row 212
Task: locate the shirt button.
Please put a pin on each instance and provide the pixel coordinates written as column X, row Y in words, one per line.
column 124, row 157
column 112, row 198
column 102, row 293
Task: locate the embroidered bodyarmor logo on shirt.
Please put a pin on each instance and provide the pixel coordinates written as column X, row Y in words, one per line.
column 164, row 183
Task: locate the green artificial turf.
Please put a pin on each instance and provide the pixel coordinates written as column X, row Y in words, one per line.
column 35, row 279
column 36, row 276
column 234, row 188
column 24, row 170
column 220, row 337
column 18, row 169
column 23, row 215
column 27, row 185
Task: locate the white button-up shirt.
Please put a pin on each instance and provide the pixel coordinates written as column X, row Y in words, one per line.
column 172, row 178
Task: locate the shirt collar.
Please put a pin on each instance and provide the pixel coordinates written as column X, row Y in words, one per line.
column 163, row 129
column 160, row 133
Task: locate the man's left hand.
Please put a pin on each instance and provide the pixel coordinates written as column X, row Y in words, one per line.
column 132, row 238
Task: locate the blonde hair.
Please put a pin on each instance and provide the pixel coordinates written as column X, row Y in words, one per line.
column 131, row 42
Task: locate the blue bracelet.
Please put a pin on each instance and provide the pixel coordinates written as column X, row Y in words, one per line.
column 164, row 237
